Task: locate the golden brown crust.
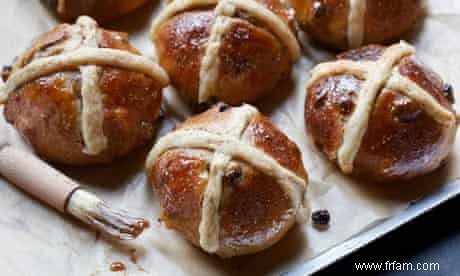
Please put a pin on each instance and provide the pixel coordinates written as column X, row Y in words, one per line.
column 247, row 221
column 388, row 20
column 115, row 40
column 181, row 43
column 211, row 120
column 426, row 78
column 279, row 8
column 248, row 55
column 265, row 136
column 132, row 105
column 252, row 59
column 101, row 10
column 327, row 21
column 367, row 53
column 47, row 111
column 402, row 141
column 56, row 133
column 177, row 178
column 329, row 103
column 255, row 211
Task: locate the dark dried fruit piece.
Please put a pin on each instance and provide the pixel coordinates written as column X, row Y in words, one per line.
column 201, row 107
column 346, row 104
column 318, row 9
column 162, row 114
column 449, row 92
column 6, row 71
column 320, row 97
column 321, row 218
column 221, row 107
column 233, row 176
column 408, row 116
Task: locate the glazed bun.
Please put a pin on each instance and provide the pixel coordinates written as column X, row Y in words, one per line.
column 101, row 10
column 82, row 95
column 229, row 181
column 380, row 114
column 229, row 50
column 345, row 24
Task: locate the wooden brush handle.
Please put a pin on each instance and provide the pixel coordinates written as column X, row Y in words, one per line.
column 36, row 177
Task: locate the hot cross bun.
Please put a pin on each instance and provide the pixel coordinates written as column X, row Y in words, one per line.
column 81, row 94
column 228, row 50
column 229, row 181
column 345, row 24
column 379, row 113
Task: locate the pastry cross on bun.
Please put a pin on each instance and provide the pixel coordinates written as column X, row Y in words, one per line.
column 345, row 24
column 229, row 181
column 379, row 113
column 83, row 95
column 229, row 50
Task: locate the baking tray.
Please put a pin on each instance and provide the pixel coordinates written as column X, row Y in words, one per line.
column 18, row 11
column 415, row 210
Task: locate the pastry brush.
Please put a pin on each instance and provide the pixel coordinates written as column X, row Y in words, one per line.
column 63, row 194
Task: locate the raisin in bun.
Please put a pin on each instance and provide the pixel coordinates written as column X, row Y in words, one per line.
column 228, row 50
column 345, row 24
column 81, row 94
column 379, row 113
column 101, row 10
column 229, row 180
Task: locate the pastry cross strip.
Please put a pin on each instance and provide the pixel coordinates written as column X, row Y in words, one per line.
column 227, row 146
column 87, row 56
column 225, row 10
column 382, row 73
column 356, row 22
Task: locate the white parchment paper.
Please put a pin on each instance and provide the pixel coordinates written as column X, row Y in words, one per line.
column 35, row 240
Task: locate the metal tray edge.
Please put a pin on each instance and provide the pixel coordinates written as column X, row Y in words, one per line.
column 338, row 252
